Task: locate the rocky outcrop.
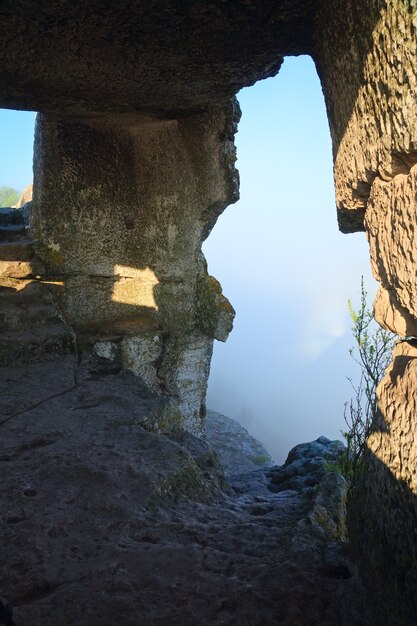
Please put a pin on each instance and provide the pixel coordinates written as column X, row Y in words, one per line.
column 312, row 466
column 369, row 76
column 237, row 450
column 366, row 58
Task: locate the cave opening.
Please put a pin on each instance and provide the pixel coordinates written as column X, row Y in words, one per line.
column 287, row 270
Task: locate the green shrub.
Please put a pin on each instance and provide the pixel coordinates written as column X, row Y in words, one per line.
column 372, row 352
column 261, row 459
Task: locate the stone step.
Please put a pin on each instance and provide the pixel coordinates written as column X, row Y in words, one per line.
column 18, row 269
column 23, row 293
column 13, row 232
column 33, row 344
column 17, row 259
column 14, row 317
column 16, row 250
column 8, row 215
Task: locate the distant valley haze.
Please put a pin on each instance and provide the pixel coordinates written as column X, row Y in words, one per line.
column 287, row 270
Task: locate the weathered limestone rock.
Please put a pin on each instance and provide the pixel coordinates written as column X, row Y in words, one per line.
column 308, row 467
column 390, row 315
column 135, row 161
column 366, row 59
column 391, row 221
column 366, row 56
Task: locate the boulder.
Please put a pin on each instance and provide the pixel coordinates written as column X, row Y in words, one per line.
column 237, row 450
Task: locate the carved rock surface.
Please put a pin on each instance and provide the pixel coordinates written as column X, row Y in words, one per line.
column 119, row 214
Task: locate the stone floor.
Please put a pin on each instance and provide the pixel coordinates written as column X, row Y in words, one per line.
column 105, row 522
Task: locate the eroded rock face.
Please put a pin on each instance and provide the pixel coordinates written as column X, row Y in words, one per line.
column 237, row 450
column 366, row 59
column 391, row 223
column 369, row 76
column 25, row 196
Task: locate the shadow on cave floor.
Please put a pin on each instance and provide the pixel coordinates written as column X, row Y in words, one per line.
column 107, row 522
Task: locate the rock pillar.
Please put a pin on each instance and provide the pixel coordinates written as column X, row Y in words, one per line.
column 120, row 210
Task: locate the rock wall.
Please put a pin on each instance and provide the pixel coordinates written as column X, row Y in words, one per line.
column 120, row 213
column 367, row 63
column 367, row 60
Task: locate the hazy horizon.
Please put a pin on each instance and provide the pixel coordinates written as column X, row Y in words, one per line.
column 287, row 270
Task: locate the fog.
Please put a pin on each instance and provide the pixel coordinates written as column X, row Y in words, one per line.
column 287, row 270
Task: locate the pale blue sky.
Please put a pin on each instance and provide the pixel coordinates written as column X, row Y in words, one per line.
column 17, row 148
column 282, row 262
column 286, row 269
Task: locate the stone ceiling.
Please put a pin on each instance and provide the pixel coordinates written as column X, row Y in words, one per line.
column 162, row 57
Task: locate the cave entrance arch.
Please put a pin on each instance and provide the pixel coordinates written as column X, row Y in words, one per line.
column 287, row 270
column 367, row 58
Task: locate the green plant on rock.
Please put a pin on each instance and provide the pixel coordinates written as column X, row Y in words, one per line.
column 261, row 459
column 372, row 352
